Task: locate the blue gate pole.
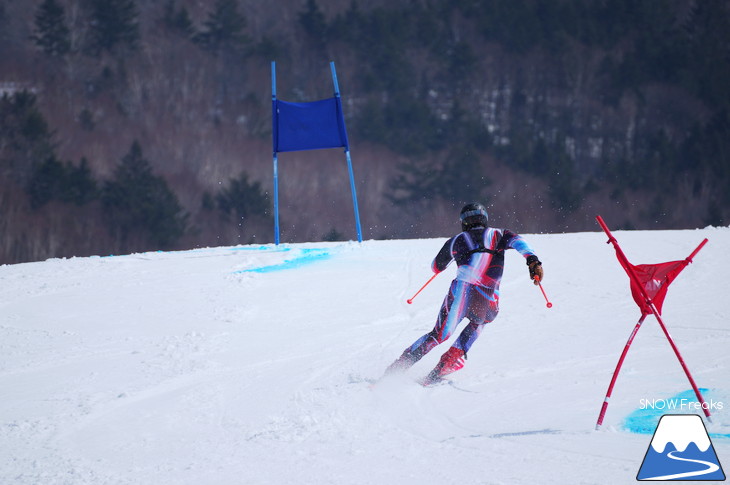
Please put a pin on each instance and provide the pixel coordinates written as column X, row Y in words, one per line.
column 276, row 158
column 354, row 196
column 276, row 199
column 349, row 162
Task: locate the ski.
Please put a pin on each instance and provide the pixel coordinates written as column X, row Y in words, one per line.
column 426, row 383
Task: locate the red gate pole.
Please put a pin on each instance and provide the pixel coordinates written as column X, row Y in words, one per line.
column 615, row 372
column 635, row 280
column 705, row 406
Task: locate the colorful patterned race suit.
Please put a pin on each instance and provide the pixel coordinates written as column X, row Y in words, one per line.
column 474, row 294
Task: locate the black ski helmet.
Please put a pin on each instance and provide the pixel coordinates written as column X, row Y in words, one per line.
column 473, row 215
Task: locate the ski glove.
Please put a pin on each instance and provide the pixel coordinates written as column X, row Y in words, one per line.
column 535, row 267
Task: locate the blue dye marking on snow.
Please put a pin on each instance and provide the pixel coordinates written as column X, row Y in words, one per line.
column 644, row 420
column 302, row 257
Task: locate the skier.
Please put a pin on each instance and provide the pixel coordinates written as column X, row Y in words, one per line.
column 474, row 293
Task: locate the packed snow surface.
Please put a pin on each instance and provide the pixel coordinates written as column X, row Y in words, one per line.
column 253, row 365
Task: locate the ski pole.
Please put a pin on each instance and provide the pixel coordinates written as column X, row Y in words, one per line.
column 410, row 300
column 549, row 305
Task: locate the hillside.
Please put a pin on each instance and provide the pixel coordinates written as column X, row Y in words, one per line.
column 546, row 111
column 250, row 364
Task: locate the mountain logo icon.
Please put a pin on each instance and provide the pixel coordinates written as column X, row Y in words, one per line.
column 681, row 449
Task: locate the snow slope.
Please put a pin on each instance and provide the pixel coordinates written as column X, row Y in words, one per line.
column 250, row 365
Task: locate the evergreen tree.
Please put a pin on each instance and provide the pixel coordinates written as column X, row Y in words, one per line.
column 242, row 198
column 80, row 186
column 314, row 23
column 224, row 29
column 44, row 184
column 25, row 137
column 52, row 35
column 53, row 180
column 178, row 20
column 114, row 26
column 139, row 202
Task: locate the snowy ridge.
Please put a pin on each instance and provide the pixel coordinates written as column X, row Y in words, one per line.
column 200, row 367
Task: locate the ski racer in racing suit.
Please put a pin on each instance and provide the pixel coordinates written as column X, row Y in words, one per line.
column 474, row 294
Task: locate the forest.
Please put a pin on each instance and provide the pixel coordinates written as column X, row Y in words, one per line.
column 140, row 125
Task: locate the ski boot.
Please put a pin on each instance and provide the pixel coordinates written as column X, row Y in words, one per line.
column 450, row 362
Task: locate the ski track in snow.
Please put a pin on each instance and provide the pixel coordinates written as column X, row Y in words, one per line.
column 194, row 367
